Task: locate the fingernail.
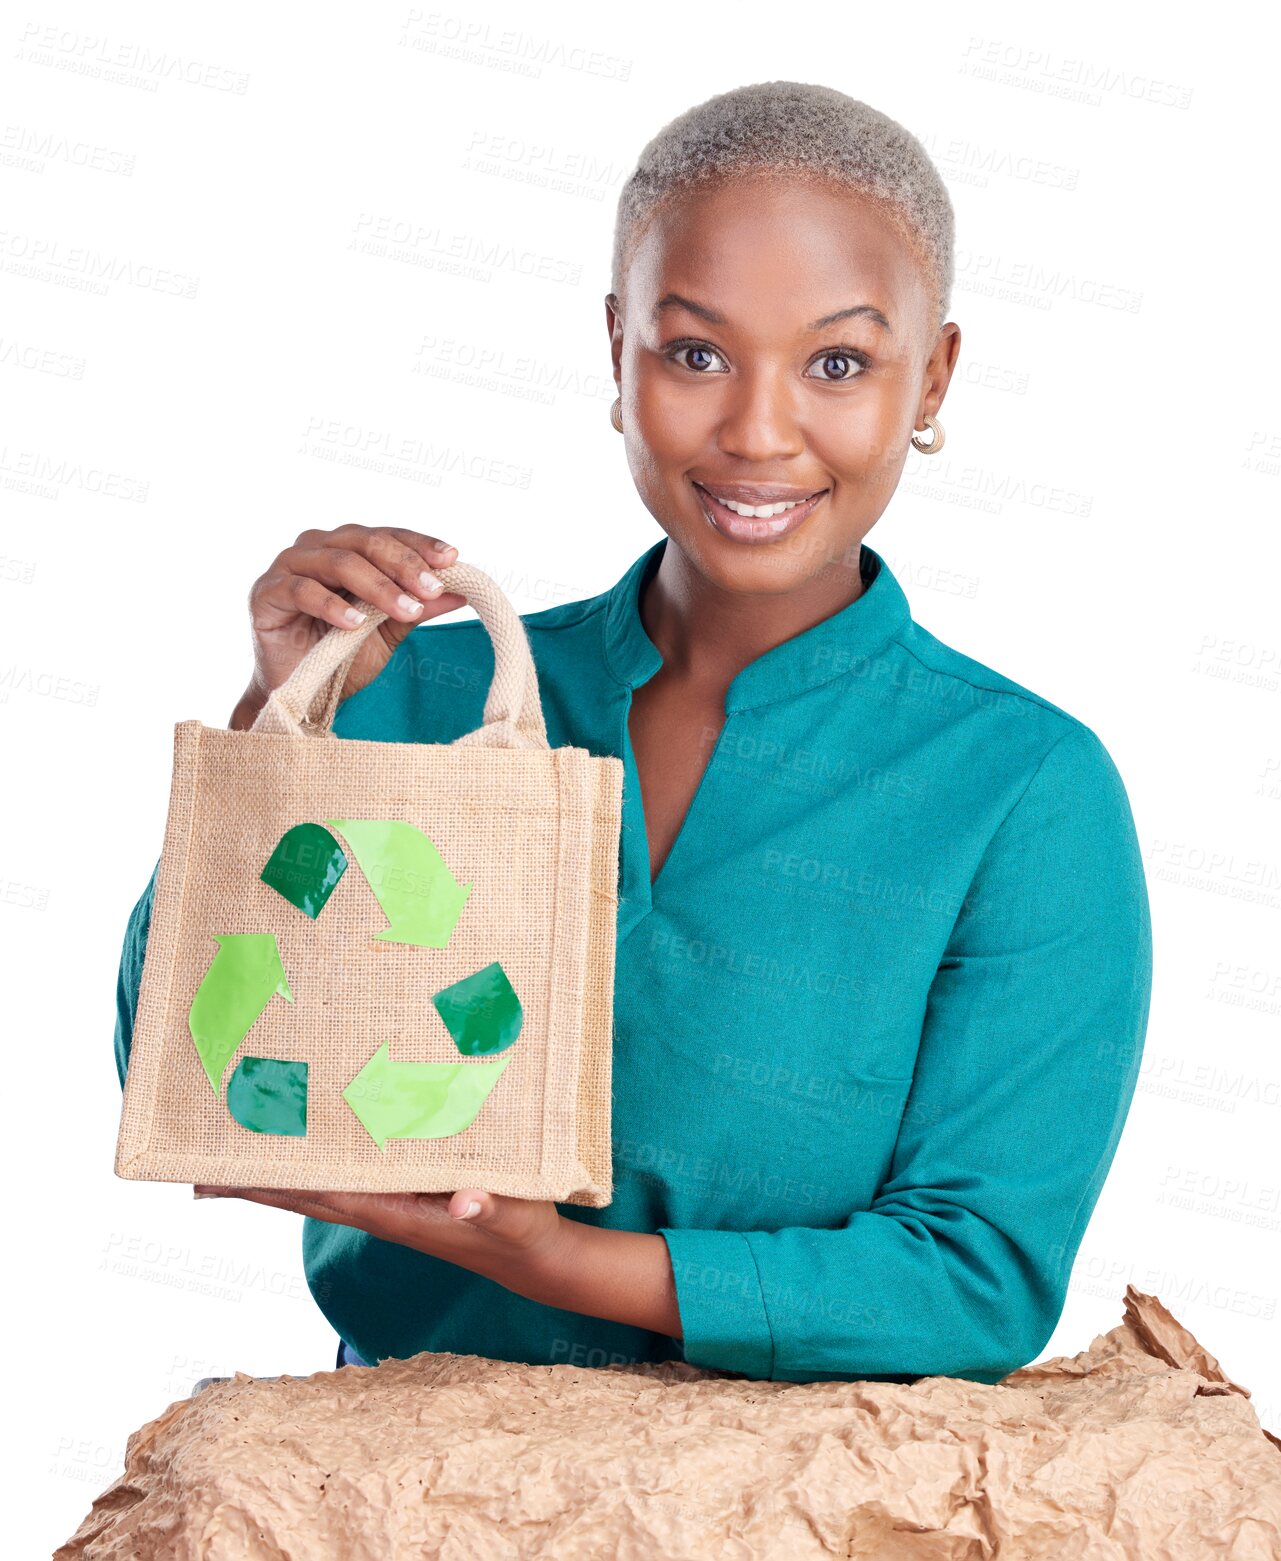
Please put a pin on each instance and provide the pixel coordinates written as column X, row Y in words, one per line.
column 352, row 616
column 472, row 1209
column 408, row 604
column 208, row 1195
column 429, row 581
column 447, row 547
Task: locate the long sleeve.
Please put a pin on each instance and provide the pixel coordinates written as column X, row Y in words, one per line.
column 1029, row 1056
column 129, row 978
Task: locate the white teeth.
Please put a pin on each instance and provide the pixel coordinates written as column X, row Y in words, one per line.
column 760, row 511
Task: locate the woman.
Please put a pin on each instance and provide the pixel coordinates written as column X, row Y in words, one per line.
column 884, row 953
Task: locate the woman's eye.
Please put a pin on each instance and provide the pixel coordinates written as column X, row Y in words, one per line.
column 841, row 365
column 700, row 353
column 836, row 365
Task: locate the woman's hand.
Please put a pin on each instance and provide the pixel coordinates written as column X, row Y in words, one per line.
column 520, row 1243
column 526, row 1246
column 296, row 601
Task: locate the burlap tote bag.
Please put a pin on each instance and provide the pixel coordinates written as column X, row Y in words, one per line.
column 382, row 966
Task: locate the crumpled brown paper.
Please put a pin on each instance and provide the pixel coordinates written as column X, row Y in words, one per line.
column 1139, row 1447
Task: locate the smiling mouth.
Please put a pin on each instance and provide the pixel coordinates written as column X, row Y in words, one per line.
column 749, row 528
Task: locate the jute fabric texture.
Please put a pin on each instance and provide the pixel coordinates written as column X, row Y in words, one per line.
column 534, row 831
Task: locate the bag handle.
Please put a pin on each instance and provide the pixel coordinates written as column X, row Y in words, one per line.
column 306, row 702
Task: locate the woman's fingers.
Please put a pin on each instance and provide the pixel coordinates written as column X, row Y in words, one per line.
column 437, row 554
column 391, row 569
column 338, row 1208
column 311, row 585
column 317, row 574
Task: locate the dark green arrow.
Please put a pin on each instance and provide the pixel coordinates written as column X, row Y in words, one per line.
column 267, row 1095
column 481, row 1012
column 305, row 866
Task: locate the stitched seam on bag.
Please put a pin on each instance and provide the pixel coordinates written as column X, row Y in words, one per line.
column 586, row 1059
column 584, row 775
column 180, row 919
column 153, row 1093
column 553, row 1007
column 605, row 842
column 559, row 1030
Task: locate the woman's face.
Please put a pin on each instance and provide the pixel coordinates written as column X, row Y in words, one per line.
column 743, row 375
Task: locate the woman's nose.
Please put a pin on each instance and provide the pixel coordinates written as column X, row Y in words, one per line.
column 758, row 417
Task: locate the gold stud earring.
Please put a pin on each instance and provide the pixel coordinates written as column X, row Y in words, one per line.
column 616, row 414
column 937, row 444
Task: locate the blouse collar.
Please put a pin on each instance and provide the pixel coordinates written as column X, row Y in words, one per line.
column 816, row 655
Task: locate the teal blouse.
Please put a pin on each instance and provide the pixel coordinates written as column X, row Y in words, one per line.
column 878, row 1023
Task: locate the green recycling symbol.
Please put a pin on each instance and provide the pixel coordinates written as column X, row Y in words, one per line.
column 422, row 901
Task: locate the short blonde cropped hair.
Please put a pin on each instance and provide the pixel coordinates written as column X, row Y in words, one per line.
column 801, row 131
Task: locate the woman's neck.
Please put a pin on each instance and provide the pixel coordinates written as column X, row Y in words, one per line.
column 708, row 635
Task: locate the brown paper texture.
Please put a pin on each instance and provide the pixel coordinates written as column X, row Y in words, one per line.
column 1138, row 1447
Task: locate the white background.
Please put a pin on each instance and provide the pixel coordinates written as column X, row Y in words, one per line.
column 1102, row 528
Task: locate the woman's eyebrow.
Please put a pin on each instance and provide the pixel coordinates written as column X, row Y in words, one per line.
column 678, row 301
column 872, row 314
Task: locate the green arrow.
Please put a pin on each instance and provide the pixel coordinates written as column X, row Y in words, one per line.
column 246, row 973
column 481, row 1012
column 419, row 1099
column 410, row 879
column 269, row 1095
column 305, row 866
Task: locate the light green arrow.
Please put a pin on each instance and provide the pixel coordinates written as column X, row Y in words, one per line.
column 410, row 879
column 419, row 1099
column 246, row 973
